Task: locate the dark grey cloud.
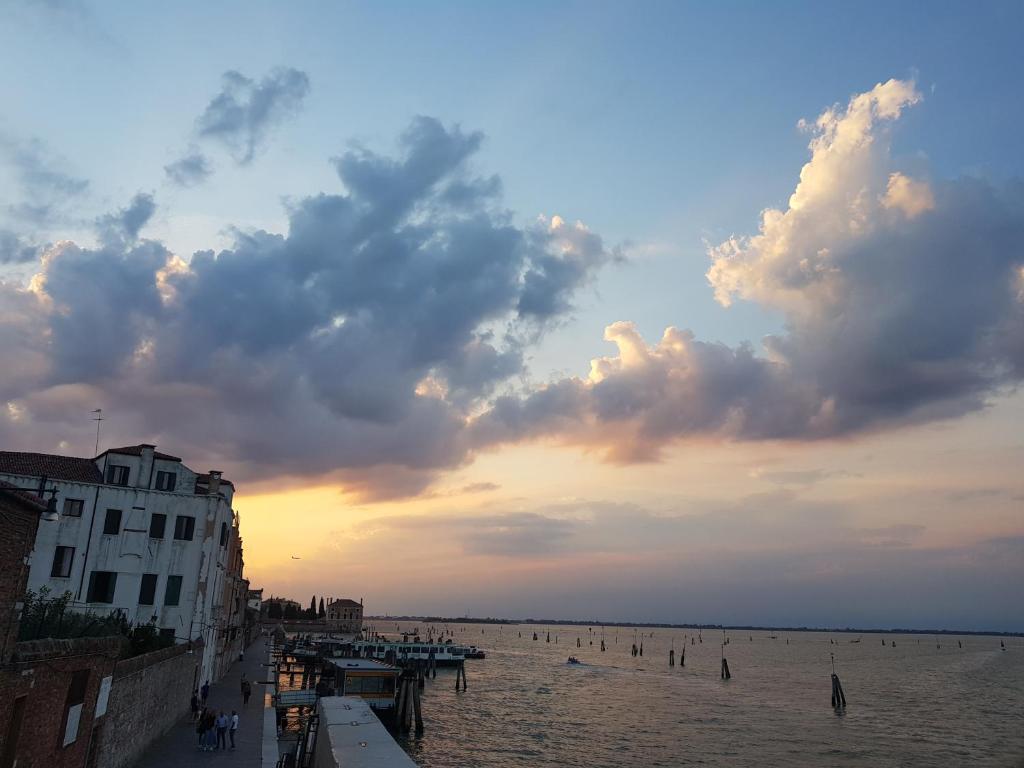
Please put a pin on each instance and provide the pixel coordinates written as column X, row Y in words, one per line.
column 45, row 183
column 240, row 116
column 14, row 249
column 125, row 224
column 351, row 347
column 191, row 169
column 903, row 301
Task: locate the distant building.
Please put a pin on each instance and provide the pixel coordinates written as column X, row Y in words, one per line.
column 254, row 599
column 141, row 534
column 344, row 615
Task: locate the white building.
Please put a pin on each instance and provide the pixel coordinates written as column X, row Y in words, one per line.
column 139, row 532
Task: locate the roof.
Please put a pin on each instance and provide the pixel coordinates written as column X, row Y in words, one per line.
column 344, row 602
column 27, row 497
column 363, row 664
column 57, row 467
column 204, row 479
column 136, row 450
column 356, row 736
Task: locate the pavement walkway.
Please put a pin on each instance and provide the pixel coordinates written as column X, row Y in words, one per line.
column 177, row 747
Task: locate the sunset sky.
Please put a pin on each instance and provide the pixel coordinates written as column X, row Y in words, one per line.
column 685, row 312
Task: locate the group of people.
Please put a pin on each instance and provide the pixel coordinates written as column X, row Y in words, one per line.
column 213, row 729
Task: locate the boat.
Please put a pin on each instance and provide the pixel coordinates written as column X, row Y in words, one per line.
column 474, row 653
column 443, row 654
column 573, row 660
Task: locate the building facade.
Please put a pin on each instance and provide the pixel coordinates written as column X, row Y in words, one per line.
column 344, row 615
column 141, row 534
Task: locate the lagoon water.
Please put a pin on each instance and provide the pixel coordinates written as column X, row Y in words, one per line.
column 912, row 705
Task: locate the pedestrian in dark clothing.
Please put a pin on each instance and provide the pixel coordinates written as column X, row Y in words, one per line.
column 233, row 727
column 201, row 731
column 222, row 730
column 205, row 691
column 246, row 692
column 194, row 704
column 210, row 727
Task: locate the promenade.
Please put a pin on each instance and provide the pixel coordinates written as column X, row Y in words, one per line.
column 177, row 748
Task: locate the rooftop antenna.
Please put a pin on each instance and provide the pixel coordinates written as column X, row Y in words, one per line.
column 98, row 418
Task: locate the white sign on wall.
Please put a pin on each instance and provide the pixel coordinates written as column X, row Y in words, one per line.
column 71, row 731
column 103, row 697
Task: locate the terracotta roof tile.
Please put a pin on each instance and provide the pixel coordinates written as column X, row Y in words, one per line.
column 136, row 450
column 22, row 494
column 69, row 468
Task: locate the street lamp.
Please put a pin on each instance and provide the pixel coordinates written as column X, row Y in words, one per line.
column 50, row 515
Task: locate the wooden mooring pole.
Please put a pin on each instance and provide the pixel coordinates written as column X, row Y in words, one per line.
column 838, row 696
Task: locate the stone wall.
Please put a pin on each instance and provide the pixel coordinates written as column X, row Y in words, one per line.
column 149, row 696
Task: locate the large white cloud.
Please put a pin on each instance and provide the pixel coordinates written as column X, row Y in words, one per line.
column 902, row 300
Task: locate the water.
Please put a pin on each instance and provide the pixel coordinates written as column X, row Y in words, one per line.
column 912, row 705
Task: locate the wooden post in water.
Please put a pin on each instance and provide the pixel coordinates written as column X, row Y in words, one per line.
column 838, row 696
column 682, row 657
column 460, row 673
column 726, row 675
column 417, row 710
column 672, row 657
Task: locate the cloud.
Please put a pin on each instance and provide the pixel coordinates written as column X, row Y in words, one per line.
column 241, row 115
column 352, row 347
column 45, row 184
column 804, row 477
column 14, row 249
column 124, row 226
column 902, row 302
column 191, row 169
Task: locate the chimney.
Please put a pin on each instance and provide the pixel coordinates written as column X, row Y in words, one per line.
column 214, row 486
column 145, row 466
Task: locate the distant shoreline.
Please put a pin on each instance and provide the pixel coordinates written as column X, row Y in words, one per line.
column 644, row 625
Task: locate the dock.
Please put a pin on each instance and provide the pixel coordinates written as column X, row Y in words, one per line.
column 351, row 735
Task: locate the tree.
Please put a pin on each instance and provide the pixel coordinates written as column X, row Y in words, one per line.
column 291, row 611
column 274, row 610
column 312, row 608
column 322, row 611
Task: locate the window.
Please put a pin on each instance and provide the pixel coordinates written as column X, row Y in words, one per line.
column 101, row 586
column 112, row 523
column 63, row 557
column 74, row 705
column 73, row 507
column 157, row 524
column 223, row 534
column 117, row 475
column 147, row 591
column 184, row 527
column 165, row 481
column 173, row 592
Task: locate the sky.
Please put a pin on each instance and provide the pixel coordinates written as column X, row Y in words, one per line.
column 662, row 312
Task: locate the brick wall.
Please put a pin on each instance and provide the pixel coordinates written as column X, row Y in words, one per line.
column 40, row 675
column 150, row 694
column 19, row 518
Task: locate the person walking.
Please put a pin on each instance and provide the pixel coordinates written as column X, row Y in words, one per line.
column 201, row 730
column 222, row 730
column 205, row 691
column 234, row 727
column 194, row 704
column 246, row 692
column 210, row 729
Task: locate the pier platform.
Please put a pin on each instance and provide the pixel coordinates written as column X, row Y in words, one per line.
column 351, row 736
